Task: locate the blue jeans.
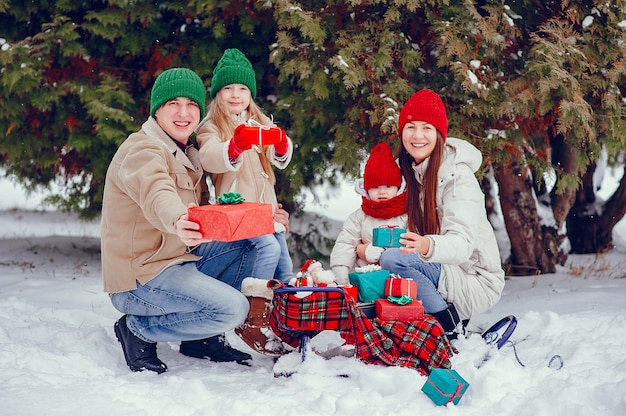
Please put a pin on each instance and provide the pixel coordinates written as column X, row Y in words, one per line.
column 184, row 302
column 272, row 259
column 411, row 266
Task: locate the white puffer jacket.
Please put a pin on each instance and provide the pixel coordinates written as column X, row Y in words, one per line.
column 472, row 277
column 357, row 228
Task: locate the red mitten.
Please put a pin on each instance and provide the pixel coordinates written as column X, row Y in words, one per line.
column 282, row 144
column 243, row 139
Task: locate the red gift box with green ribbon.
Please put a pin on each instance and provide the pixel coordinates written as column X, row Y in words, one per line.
column 444, row 386
column 399, row 286
column 231, row 219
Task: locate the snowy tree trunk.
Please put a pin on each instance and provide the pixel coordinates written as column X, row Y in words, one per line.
column 530, row 254
column 588, row 230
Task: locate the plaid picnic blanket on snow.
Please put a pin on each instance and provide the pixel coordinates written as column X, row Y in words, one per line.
column 419, row 344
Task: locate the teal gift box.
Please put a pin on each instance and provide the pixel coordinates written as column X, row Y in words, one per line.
column 371, row 284
column 444, row 386
column 387, row 236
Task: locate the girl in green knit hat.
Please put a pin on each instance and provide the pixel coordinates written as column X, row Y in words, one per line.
column 239, row 146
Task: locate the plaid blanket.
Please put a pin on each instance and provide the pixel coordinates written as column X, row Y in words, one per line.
column 419, row 344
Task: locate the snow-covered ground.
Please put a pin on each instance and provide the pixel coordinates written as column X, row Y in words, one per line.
column 59, row 355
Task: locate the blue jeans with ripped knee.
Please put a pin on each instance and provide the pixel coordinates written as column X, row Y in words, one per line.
column 192, row 300
column 411, row 266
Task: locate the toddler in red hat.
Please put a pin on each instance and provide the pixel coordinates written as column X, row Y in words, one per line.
column 383, row 203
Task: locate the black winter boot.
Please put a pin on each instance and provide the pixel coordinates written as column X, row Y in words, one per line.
column 138, row 353
column 215, row 349
column 449, row 320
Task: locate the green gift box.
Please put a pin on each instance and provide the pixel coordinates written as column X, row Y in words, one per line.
column 387, row 236
column 444, row 386
column 371, row 284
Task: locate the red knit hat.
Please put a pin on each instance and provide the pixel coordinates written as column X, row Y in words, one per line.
column 424, row 105
column 381, row 168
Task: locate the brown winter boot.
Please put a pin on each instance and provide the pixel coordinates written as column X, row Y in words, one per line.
column 256, row 330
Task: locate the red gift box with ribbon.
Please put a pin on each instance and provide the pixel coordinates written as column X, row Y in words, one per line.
column 389, row 311
column 444, row 386
column 231, row 222
column 265, row 135
column 399, row 286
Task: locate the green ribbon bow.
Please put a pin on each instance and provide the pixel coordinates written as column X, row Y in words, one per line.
column 230, row 198
column 400, row 300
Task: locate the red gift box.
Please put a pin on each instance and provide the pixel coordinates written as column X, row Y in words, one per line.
column 399, row 286
column 351, row 292
column 389, row 311
column 265, row 135
column 231, row 222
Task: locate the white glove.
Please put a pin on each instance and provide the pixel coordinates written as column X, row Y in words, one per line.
column 372, row 253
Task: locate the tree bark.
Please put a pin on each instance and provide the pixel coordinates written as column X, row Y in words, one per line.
column 530, row 252
column 564, row 158
column 590, row 230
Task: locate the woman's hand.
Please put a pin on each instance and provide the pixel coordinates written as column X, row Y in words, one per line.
column 189, row 231
column 414, row 243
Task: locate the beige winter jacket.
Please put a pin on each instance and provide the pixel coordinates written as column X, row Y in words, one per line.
column 357, row 228
column 472, row 277
column 246, row 176
column 148, row 186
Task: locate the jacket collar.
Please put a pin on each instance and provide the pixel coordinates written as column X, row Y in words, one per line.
column 189, row 158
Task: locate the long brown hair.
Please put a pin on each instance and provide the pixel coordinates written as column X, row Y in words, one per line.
column 219, row 115
column 421, row 198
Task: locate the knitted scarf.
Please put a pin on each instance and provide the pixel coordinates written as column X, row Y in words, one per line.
column 384, row 210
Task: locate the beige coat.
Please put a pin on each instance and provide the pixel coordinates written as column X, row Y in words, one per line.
column 148, row 186
column 472, row 277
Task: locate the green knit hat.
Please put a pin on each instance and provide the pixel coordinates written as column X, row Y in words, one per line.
column 233, row 68
column 177, row 82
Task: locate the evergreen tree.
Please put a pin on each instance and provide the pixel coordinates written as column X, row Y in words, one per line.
column 76, row 79
column 537, row 86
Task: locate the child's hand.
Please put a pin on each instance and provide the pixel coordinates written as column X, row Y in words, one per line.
column 373, row 253
column 243, row 139
column 282, row 145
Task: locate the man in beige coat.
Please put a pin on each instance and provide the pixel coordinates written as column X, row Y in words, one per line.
column 170, row 283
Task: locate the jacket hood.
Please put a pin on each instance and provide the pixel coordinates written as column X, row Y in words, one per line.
column 463, row 152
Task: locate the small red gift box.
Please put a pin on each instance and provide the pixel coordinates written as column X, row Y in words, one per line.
column 266, row 135
column 399, row 286
column 389, row 311
column 351, row 292
column 231, row 222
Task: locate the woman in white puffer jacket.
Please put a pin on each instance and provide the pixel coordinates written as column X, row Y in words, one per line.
column 450, row 248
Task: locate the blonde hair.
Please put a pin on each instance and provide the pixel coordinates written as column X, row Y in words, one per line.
column 218, row 114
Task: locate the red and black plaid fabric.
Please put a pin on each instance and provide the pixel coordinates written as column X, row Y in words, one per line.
column 317, row 311
column 419, row 344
